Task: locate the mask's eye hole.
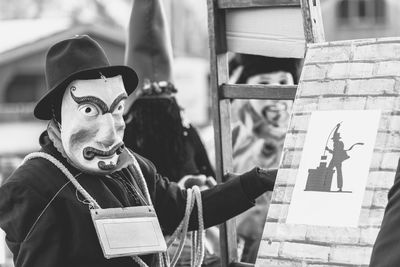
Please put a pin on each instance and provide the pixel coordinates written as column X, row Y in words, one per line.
column 89, row 110
column 120, row 108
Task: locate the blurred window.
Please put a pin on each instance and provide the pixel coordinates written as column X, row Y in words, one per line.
column 361, row 12
column 24, row 88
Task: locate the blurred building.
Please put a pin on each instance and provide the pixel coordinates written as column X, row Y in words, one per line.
column 22, row 80
column 355, row 19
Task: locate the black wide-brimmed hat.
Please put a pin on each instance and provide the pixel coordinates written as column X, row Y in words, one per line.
column 78, row 58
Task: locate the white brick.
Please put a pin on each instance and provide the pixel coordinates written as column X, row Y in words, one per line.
column 270, row 230
column 371, row 217
column 291, row 232
column 333, row 235
column 314, row 72
column 381, row 179
column 380, row 198
column 286, row 177
column 350, row 70
column 277, row 211
column 294, row 140
column 328, row 54
column 268, row 248
column 381, row 140
column 376, row 160
column 291, row 158
column 323, row 88
column 331, row 103
column 302, row 251
column 339, row 71
column 300, row 123
column 381, row 102
column 361, row 70
column 393, row 141
column 305, row 104
column 388, row 68
column 352, row 103
column 368, row 236
column 383, row 51
column 394, row 123
column 371, row 87
column 384, row 122
column 350, row 254
column 390, row 160
column 367, row 199
column 283, row 194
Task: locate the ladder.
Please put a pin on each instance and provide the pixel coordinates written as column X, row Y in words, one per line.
column 223, row 38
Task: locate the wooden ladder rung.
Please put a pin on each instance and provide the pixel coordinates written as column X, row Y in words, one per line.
column 257, row 91
column 225, row 4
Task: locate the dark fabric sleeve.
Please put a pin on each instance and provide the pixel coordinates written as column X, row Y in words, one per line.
column 220, row 203
column 20, row 206
column 386, row 248
column 201, row 157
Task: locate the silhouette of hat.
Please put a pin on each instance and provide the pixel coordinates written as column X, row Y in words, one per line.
column 149, row 49
column 336, row 136
column 80, row 57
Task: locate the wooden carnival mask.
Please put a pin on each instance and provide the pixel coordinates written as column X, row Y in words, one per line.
column 92, row 123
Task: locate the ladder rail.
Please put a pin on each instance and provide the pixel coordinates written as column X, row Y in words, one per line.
column 222, row 92
column 221, row 120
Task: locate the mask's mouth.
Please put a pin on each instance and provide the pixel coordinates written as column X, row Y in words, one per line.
column 269, row 149
column 90, row 152
column 106, row 167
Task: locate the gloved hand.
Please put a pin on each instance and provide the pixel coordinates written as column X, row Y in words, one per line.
column 268, row 177
column 255, row 182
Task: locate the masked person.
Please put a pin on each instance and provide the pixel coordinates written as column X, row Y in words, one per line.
column 50, row 206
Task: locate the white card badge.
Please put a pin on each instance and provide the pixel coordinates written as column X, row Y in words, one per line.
column 128, row 231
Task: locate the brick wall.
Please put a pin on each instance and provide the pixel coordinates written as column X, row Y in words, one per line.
column 345, row 75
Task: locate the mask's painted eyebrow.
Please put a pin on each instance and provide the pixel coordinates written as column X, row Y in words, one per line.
column 90, row 99
column 117, row 100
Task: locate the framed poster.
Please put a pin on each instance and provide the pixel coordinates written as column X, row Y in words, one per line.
column 334, row 168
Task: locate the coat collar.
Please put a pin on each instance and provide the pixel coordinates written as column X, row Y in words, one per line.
column 48, row 147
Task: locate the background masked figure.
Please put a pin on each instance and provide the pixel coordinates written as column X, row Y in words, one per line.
column 155, row 125
column 258, row 132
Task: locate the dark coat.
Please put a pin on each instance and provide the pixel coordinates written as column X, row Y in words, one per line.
column 386, row 248
column 65, row 235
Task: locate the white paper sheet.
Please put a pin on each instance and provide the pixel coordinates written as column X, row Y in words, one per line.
column 331, row 207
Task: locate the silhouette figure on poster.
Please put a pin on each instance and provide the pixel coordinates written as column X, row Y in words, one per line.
column 320, row 179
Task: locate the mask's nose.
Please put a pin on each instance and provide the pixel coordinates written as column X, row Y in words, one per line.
column 108, row 134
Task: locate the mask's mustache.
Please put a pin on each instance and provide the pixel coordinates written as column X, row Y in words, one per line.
column 90, row 152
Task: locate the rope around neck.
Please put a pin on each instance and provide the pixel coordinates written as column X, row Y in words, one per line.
column 67, row 173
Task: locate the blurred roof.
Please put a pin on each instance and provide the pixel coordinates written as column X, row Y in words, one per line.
column 24, row 37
